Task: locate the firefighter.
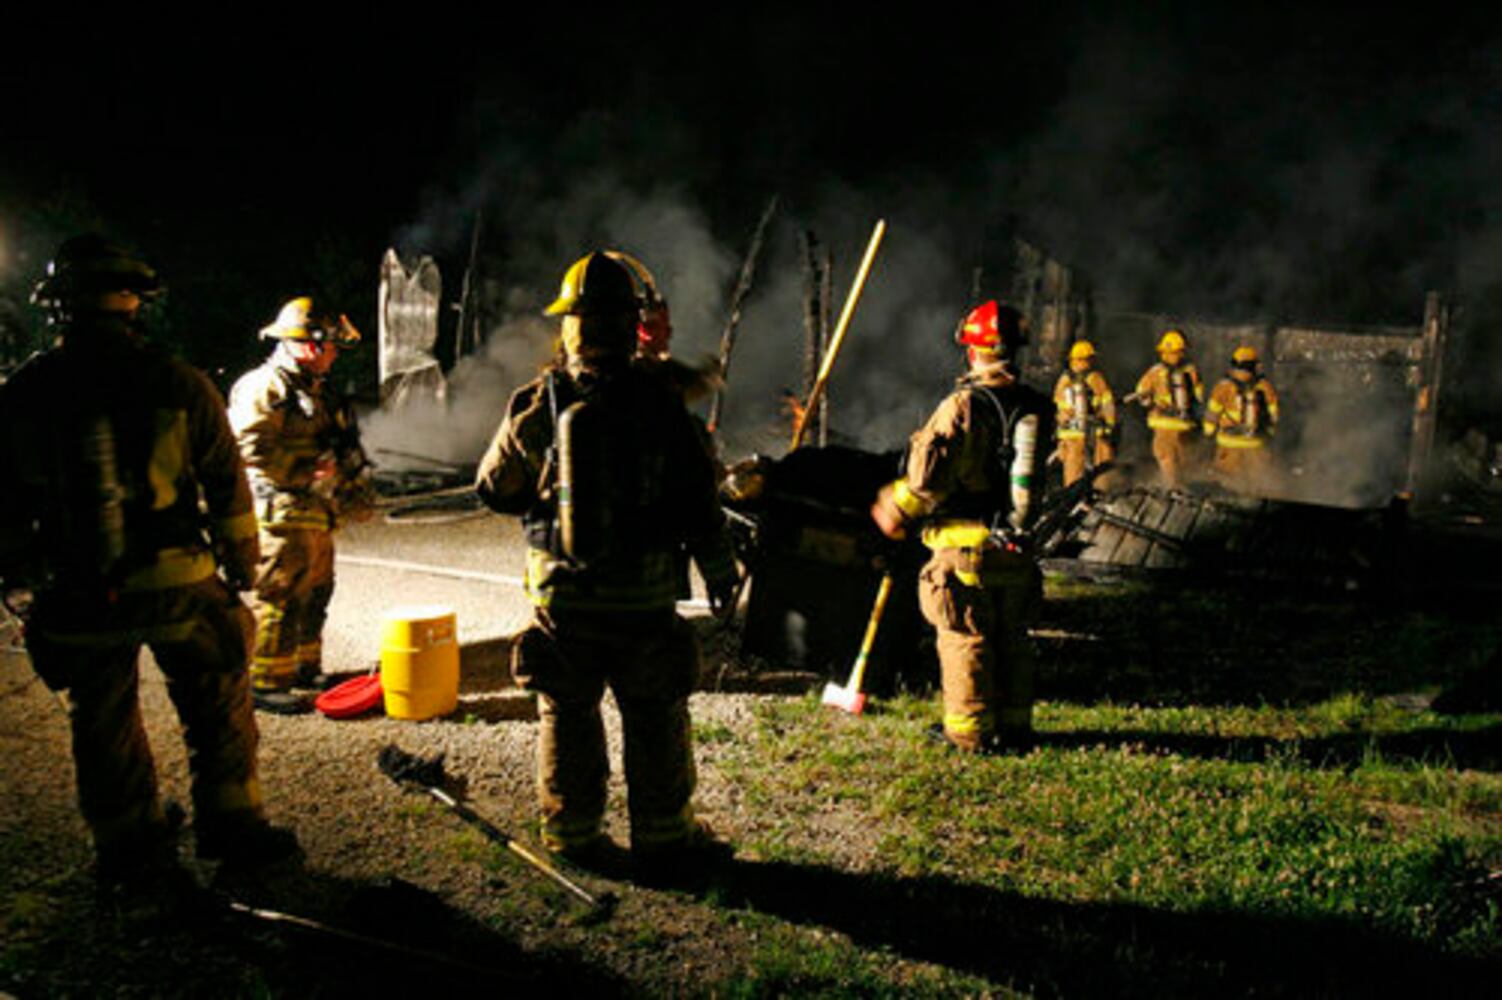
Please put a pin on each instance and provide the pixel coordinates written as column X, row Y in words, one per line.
column 1086, row 414
column 600, row 460
column 1242, row 416
column 107, row 449
column 974, row 482
column 1173, row 393
column 308, row 472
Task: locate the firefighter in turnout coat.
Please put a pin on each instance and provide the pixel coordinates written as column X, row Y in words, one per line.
column 602, row 462
column 124, row 499
column 1242, row 417
column 973, row 483
column 1173, row 393
column 1086, row 415
column 308, row 471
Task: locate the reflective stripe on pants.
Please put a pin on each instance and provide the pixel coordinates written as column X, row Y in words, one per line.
column 985, row 660
column 293, row 590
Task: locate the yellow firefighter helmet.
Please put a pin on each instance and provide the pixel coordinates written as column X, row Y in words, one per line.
column 595, row 283
column 646, row 285
column 1082, row 350
column 1171, row 341
column 298, row 321
column 1246, row 354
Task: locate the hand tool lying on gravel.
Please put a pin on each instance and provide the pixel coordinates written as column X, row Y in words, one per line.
column 427, row 774
column 851, row 698
column 363, row 940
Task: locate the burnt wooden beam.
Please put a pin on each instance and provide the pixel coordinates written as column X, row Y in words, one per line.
column 1426, row 399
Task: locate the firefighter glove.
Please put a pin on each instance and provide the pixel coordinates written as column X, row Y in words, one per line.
column 889, row 518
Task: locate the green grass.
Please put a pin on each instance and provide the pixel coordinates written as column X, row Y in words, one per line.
column 712, row 733
column 809, row 962
column 1227, row 798
column 1410, row 847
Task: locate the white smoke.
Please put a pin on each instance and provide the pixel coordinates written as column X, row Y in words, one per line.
column 1244, row 211
column 896, row 361
column 456, row 428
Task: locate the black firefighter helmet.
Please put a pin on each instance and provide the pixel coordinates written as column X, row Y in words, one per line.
column 90, row 265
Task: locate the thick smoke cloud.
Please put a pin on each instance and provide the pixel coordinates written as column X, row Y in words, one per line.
column 1305, row 184
column 897, row 358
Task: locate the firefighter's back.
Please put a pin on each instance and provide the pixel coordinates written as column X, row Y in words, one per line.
column 631, row 484
column 101, row 433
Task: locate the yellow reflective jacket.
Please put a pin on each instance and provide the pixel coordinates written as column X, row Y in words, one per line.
column 1083, row 402
column 662, row 496
column 288, row 421
column 120, row 470
column 1242, row 414
column 1173, row 396
column 962, row 471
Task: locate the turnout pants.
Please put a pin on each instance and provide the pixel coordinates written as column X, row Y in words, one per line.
column 1073, row 453
column 1244, row 470
column 1171, row 448
column 293, row 587
column 980, row 603
column 650, row 661
column 200, row 638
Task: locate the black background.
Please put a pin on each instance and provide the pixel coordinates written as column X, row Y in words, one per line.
column 1320, row 164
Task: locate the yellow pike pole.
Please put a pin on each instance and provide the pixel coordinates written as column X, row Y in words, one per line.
column 839, row 334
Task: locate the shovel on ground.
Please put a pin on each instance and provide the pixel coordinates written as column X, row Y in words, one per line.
column 427, row 775
column 850, row 697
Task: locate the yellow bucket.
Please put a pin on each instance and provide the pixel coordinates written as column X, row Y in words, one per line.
column 419, row 662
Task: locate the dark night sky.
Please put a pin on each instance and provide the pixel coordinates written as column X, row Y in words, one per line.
column 1332, row 163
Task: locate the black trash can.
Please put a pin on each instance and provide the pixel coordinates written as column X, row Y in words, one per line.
column 816, row 564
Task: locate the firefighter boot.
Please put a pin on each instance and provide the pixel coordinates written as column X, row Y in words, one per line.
column 1009, row 743
column 683, row 864
column 599, row 854
column 311, row 676
column 140, row 879
column 280, row 702
column 243, row 840
column 1002, row 744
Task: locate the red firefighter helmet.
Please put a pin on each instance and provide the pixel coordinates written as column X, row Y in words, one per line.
column 992, row 326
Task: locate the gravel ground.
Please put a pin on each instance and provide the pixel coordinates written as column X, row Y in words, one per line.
column 370, row 846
